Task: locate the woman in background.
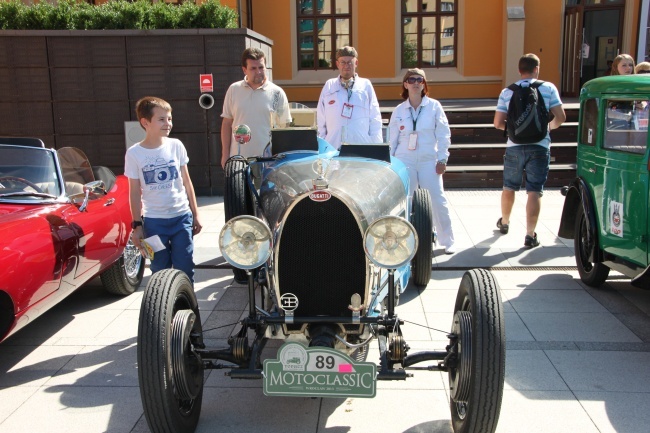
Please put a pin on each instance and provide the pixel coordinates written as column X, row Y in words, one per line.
column 623, row 65
column 420, row 138
column 642, row 68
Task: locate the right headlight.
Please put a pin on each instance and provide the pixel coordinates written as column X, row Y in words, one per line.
column 245, row 242
column 390, row 242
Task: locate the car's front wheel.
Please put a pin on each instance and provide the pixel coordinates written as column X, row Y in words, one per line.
column 125, row 275
column 421, row 219
column 237, row 199
column 170, row 372
column 478, row 346
column 592, row 274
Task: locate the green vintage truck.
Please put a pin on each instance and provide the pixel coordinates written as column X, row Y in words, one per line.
column 606, row 206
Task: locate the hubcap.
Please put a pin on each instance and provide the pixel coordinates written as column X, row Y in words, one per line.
column 460, row 375
column 187, row 372
column 132, row 260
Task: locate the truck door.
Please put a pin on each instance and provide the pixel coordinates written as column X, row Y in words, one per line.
column 623, row 163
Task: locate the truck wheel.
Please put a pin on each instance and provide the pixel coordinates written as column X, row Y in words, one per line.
column 125, row 275
column 237, row 199
column 477, row 373
column 170, row 373
column 592, row 274
column 421, row 219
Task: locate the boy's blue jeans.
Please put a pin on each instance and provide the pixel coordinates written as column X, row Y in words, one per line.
column 176, row 234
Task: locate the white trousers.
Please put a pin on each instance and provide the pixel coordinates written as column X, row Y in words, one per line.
column 423, row 175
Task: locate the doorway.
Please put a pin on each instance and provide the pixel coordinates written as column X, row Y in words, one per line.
column 592, row 36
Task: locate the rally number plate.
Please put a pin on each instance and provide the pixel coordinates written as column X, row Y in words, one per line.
column 318, row 372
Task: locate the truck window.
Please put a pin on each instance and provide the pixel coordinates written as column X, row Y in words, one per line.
column 589, row 124
column 626, row 125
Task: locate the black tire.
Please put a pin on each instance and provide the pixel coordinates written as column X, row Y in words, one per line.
column 168, row 296
column 476, row 381
column 421, row 214
column 592, row 274
column 125, row 275
column 237, row 199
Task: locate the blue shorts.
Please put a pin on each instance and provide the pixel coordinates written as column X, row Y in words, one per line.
column 531, row 159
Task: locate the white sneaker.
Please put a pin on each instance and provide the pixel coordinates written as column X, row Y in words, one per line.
column 451, row 249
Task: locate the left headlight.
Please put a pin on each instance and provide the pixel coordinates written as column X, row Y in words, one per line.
column 245, row 242
column 390, row 242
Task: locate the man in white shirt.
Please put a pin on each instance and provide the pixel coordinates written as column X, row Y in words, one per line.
column 253, row 101
column 348, row 110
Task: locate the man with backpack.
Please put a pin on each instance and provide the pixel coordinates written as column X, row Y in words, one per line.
column 523, row 112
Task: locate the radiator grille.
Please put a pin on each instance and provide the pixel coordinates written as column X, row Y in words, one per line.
column 321, row 258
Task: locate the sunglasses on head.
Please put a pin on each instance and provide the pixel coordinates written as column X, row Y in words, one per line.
column 645, row 71
column 414, row 79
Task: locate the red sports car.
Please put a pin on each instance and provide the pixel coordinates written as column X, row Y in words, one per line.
column 62, row 222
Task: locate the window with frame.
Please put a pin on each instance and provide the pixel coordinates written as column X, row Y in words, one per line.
column 626, row 125
column 589, row 123
column 429, row 29
column 323, row 26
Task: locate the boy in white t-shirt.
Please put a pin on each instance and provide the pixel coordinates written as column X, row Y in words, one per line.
column 161, row 193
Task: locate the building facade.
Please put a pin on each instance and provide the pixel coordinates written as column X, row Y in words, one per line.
column 468, row 48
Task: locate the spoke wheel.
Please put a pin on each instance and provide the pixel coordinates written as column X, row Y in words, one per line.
column 477, row 368
column 170, row 372
column 237, row 199
column 592, row 274
column 125, row 275
column 421, row 214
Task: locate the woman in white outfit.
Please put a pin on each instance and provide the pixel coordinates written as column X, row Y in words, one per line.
column 420, row 137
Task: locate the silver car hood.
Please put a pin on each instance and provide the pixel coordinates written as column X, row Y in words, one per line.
column 371, row 189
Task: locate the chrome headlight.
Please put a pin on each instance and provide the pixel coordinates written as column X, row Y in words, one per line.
column 390, row 242
column 245, row 242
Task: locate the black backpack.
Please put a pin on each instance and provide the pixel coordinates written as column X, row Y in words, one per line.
column 527, row 119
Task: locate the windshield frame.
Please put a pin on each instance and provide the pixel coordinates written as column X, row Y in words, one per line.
column 49, row 162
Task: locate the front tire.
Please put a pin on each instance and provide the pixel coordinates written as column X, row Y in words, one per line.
column 421, row 214
column 170, row 373
column 592, row 274
column 237, row 199
column 125, row 275
column 476, row 378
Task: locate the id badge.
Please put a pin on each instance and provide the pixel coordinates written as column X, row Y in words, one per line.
column 347, row 111
column 413, row 140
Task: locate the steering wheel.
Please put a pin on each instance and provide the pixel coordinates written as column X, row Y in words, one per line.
column 23, row 181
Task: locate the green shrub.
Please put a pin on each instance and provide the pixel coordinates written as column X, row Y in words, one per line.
column 117, row 14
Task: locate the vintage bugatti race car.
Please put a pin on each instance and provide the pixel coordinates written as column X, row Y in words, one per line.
column 62, row 223
column 326, row 241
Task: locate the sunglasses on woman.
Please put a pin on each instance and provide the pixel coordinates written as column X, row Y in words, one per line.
column 645, row 71
column 414, row 79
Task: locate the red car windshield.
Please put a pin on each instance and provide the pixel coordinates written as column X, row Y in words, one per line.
column 28, row 173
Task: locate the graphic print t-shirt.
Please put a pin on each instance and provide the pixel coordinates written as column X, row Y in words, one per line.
column 159, row 172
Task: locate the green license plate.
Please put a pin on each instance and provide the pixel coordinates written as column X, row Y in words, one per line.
column 318, row 372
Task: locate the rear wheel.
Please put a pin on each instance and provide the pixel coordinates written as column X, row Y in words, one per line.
column 170, row 372
column 592, row 274
column 477, row 370
column 237, row 199
column 421, row 214
column 125, row 275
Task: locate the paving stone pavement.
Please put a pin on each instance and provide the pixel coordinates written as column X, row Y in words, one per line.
column 578, row 358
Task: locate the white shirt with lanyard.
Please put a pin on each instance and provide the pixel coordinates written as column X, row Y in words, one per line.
column 413, row 138
column 347, row 107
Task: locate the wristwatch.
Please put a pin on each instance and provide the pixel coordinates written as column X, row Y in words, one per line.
column 135, row 224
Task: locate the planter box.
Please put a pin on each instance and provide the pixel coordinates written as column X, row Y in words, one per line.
column 77, row 88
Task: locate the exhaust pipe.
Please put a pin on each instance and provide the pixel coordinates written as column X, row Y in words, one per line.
column 206, row 101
